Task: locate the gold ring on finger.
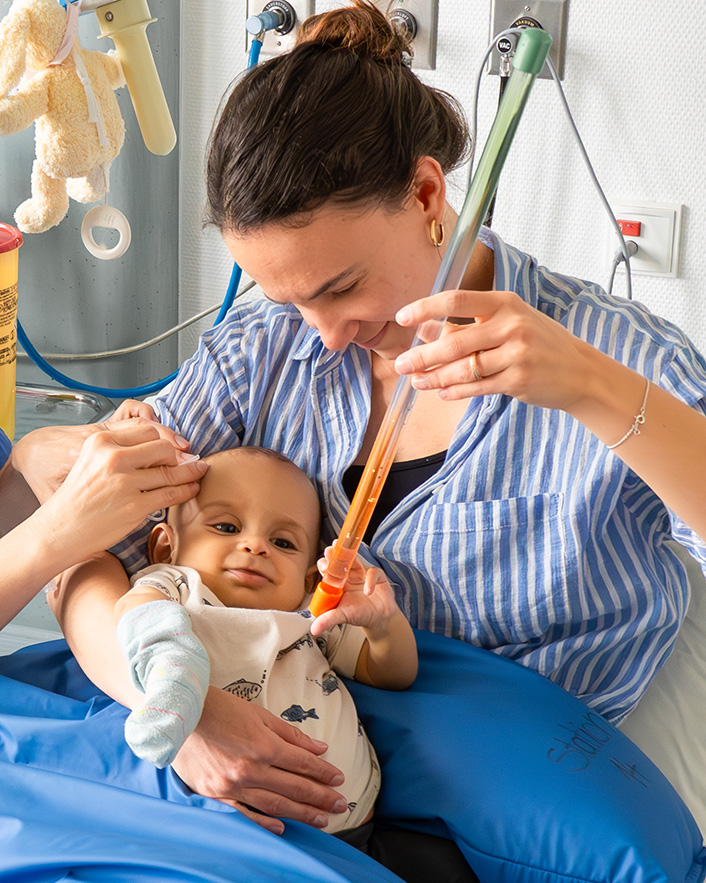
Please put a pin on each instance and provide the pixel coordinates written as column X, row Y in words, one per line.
column 474, row 367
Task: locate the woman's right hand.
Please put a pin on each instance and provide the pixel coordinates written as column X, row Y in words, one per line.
column 243, row 755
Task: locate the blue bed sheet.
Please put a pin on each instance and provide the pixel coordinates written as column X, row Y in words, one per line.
column 532, row 785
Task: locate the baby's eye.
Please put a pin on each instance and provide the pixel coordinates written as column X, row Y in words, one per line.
column 225, row 527
column 281, row 543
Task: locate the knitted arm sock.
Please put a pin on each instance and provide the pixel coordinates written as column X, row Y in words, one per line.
column 170, row 665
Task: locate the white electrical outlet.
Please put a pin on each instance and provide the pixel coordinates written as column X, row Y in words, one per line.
column 275, row 43
column 657, row 241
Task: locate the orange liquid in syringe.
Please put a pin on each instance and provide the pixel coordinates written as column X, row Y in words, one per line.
column 330, row 589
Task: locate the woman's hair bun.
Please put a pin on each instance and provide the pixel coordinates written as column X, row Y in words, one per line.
column 362, row 28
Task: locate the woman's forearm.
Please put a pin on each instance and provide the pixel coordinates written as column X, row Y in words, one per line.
column 667, row 452
column 28, row 564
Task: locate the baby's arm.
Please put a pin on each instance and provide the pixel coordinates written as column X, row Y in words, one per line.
column 168, row 663
column 388, row 658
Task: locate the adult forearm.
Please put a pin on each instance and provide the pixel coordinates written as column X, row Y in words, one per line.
column 667, row 452
column 27, row 566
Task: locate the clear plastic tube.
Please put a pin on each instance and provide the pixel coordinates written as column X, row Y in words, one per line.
column 530, row 55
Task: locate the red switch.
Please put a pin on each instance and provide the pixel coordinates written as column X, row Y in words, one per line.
column 630, row 228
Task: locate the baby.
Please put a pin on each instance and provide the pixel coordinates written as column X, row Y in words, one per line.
column 225, row 603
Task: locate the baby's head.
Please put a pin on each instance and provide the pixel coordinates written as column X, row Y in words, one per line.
column 252, row 531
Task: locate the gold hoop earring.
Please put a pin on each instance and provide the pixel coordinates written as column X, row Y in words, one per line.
column 437, row 241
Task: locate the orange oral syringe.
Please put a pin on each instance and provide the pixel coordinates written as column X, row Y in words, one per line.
column 530, row 55
column 330, row 590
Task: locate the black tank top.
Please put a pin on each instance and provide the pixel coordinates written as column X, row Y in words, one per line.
column 403, row 478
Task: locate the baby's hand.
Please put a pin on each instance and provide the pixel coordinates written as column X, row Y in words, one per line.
column 368, row 600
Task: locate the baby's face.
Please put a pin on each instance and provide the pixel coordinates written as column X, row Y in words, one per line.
column 251, row 532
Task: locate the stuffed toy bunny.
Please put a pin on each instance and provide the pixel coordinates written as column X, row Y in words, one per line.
column 78, row 129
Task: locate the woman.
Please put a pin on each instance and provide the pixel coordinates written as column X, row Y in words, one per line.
column 543, row 463
column 122, row 472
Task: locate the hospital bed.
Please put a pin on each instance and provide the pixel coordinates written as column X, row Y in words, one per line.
column 532, row 785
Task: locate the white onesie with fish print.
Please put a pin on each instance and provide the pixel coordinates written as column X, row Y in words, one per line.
column 270, row 657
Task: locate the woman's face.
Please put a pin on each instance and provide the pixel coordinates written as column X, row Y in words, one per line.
column 347, row 272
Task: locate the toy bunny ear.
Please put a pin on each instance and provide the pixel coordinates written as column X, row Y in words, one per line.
column 14, row 36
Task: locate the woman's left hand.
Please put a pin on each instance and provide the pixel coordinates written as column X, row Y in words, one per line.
column 509, row 348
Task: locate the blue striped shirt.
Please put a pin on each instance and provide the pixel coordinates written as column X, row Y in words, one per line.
column 533, row 539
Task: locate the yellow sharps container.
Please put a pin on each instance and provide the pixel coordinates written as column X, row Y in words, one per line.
column 10, row 241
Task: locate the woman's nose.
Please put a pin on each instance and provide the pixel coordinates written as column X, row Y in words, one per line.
column 335, row 333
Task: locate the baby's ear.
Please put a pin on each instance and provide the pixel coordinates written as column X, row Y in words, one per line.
column 162, row 544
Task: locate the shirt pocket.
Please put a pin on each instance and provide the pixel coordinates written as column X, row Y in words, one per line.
column 501, row 569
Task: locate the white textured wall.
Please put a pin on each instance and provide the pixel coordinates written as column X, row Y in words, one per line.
column 212, row 54
column 634, row 78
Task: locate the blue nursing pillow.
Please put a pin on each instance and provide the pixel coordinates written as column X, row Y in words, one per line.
column 532, row 785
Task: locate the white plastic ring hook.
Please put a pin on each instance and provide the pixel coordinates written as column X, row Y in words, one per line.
column 112, row 219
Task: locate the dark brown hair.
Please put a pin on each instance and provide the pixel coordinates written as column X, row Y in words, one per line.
column 339, row 118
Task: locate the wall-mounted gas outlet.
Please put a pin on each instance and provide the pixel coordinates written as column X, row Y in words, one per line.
column 552, row 15
column 420, row 18
column 280, row 39
column 655, row 227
